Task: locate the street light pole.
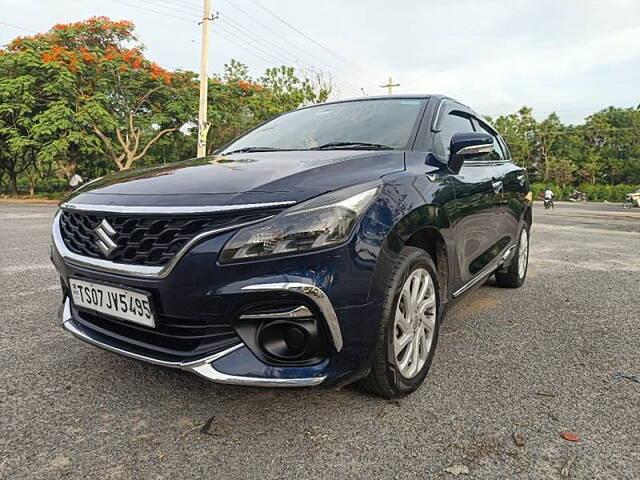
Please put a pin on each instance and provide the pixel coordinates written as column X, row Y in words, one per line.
column 203, row 125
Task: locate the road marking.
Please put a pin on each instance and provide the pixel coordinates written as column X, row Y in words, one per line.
column 27, row 268
column 574, row 228
column 48, row 288
column 609, row 266
column 23, row 216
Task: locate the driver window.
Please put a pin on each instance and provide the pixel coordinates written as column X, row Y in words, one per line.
column 454, row 122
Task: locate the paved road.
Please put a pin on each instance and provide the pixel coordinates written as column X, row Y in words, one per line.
column 609, row 216
column 531, row 362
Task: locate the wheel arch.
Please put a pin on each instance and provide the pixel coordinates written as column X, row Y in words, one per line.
column 424, row 228
column 432, row 241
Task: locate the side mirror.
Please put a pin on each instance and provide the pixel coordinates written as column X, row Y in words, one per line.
column 467, row 145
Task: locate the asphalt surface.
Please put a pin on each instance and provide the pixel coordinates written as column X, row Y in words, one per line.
column 514, row 369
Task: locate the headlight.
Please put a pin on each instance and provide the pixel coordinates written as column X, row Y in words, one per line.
column 321, row 222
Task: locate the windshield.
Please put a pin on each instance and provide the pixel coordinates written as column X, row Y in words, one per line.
column 379, row 123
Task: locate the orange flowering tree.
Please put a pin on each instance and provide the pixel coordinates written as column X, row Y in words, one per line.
column 83, row 98
column 92, row 89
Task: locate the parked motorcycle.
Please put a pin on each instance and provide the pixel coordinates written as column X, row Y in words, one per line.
column 577, row 196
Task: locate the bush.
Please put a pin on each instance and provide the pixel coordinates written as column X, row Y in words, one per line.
column 49, row 186
column 595, row 193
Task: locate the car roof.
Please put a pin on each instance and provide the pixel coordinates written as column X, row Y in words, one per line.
column 420, row 96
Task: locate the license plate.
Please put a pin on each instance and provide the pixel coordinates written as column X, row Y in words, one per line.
column 117, row 302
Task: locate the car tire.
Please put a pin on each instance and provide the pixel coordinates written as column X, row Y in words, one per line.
column 515, row 273
column 398, row 373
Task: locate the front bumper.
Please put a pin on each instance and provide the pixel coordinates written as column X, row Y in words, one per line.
column 204, row 367
column 334, row 284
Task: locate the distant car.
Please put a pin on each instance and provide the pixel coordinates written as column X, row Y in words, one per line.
column 632, row 199
column 321, row 248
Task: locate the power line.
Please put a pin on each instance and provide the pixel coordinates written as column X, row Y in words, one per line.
column 171, row 8
column 248, row 37
column 237, row 27
column 182, row 4
column 250, row 45
column 193, row 22
column 293, row 45
column 251, row 48
column 269, row 29
column 185, row 19
column 18, row 28
column 216, row 30
column 289, row 58
column 351, row 64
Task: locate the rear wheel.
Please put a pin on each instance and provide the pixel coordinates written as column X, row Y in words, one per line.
column 409, row 330
column 516, row 271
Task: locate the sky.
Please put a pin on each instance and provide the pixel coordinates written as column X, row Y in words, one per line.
column 573, row 57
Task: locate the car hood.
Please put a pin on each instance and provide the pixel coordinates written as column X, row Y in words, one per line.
column 240, row 178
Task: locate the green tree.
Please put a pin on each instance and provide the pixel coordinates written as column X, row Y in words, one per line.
column 547, row 133
column 615, row 134
column 519, row 131
column 20, row 106
column 238, row 102
column 561, row 170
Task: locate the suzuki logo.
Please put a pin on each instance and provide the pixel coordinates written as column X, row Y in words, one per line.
column 105, row 241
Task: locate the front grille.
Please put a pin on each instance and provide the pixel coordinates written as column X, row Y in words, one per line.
column 145, row 239
column 173, row 336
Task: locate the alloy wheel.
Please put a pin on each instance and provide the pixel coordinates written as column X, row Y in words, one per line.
column 415, row 323
column 523, row 253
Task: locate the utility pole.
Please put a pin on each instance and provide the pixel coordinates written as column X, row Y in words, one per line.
column 203, row 125
column 390, row 85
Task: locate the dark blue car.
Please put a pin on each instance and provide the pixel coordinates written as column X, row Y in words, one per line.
column 321, row 248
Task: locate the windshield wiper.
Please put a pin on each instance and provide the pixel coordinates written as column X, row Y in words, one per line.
column 353, row 145
column 257, row 149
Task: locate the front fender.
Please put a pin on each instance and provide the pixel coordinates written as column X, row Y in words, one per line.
column 424, row 216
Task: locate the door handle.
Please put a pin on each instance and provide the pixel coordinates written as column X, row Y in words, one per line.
column 497, row 186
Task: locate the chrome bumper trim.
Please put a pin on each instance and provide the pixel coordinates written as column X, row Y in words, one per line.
column 202, row 367
column 143, row 271
column 158, row 210
column 298, row 312
column 317, row 296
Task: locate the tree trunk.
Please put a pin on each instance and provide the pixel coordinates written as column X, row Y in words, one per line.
column 13, row 183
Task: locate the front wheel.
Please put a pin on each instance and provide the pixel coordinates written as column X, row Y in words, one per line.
column 513, row 274
column 410, row 324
